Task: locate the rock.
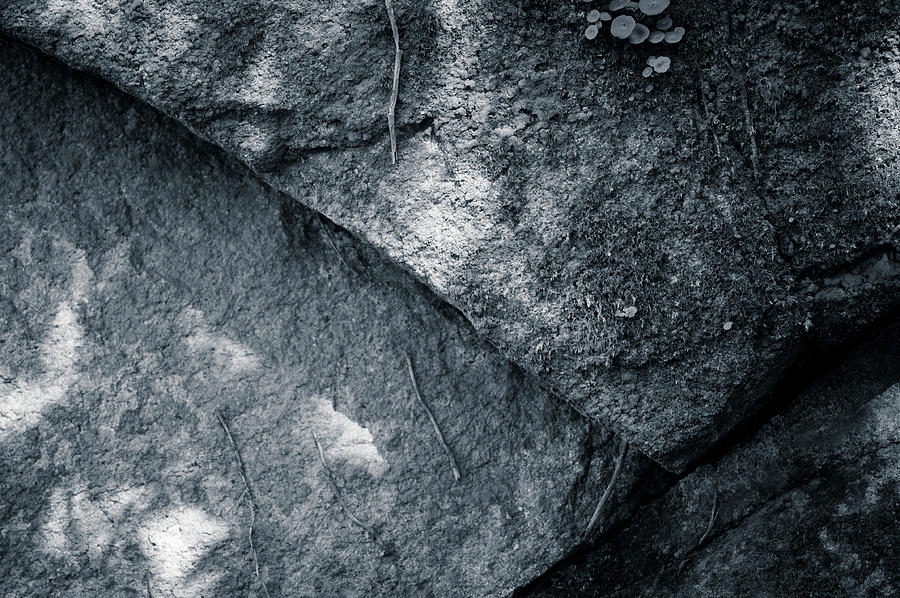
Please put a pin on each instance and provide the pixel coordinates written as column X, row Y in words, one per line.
column 807, row 503
column 150, row 285
column 701, row 203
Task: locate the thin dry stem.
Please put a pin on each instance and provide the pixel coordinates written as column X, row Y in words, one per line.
column 751, row 132
column 708, row 117
column 338, row 495
column 392, row 105
column 606, row 494
column 712, row 518
column 251, row 501
column 331, row 242
column 437, row 429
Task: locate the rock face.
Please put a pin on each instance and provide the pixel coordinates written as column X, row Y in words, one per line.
column 806, row 506
column 149, row 286
column 743, row 208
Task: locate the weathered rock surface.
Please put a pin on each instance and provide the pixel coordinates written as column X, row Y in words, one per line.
column 149, row 283
column 542, row 191
column 806, row 507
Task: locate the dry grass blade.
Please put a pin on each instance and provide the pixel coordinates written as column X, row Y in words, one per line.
column 392, row 106
column 751, row 132
column 712, row 518
column 338, row 495
column 334, row 247
column 606, row 493
column 251, row 500
column 437, row 429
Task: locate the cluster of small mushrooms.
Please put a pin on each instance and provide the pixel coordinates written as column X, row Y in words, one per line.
column 626, row 26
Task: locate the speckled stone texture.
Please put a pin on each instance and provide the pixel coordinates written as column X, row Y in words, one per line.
column 806, row 505
column 745, row 207
column 149, row 283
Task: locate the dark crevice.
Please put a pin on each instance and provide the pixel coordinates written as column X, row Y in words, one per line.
column 796, row 484
column 862, row 262
column 815, row 363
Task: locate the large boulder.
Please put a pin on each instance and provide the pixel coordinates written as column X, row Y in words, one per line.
column 149, row 286
column 739, row 208
column 803, row 505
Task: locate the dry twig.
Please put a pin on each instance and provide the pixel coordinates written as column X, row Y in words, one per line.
column 392, row 105
column 751, row 132
column 609, row 488
column 331, row 242
column 251, row 501
column 339, row 496
column 708, row 117
column 712, row 518
column 437, row 429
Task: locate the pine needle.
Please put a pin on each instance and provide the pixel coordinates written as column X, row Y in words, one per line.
column 612, row 482
column 712, row 518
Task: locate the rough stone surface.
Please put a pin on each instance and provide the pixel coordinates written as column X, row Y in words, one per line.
column 744, row 207
column 808, row 506
column 149, row 283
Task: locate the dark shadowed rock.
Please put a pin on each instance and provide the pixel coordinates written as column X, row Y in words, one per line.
column 148, row 286
column 743, row 208
column 806, row 507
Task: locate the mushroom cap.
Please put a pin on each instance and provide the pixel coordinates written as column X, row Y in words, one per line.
column 591, row 31
column 674, row 36
column 661, row 64
column 640, row 34
column 605, row 16
column 656, row 37
column 648, row 71
column 653, row 7
column 615, row 5
column 664, row 23
column 622, row 26
column 593, row 16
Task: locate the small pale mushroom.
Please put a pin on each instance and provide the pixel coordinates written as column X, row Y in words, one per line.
column 653, row 7
column 651, row 60
column 656, row 37
column 664, row 23
column 605, row 16
column 591, row 31
column 674, row 36
column 622, row 26
column 593, row 16
column 640, row 34
column 615, row 5
column 628, row 312
column 647, row 71
column 661, row 64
